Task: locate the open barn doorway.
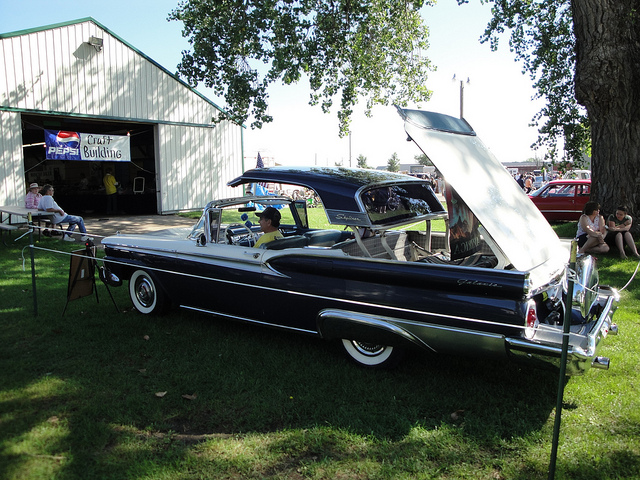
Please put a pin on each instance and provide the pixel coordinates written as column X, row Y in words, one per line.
column 79, row 184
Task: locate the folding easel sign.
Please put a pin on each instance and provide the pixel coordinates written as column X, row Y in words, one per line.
column 81, row 274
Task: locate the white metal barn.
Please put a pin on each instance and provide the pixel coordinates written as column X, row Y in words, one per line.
column 81, row 77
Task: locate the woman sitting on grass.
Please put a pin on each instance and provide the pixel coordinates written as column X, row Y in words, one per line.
column 618, row 234
column 591, row 230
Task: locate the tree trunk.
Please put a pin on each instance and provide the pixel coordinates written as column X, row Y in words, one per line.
column 607, row 84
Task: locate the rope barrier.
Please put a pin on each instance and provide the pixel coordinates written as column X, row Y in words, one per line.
column 200, row 277
column 63, row 232
column 541, row 327
column 571, row 274
column 632, row 277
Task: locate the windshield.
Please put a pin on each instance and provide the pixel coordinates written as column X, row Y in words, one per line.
column 198, row 229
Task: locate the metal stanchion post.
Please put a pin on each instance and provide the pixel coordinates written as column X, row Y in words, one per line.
column 563, row 361
column 33, row 266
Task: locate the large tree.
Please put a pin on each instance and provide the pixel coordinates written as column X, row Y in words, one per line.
column 583, row 57
column 368, row 49
column 584, row 53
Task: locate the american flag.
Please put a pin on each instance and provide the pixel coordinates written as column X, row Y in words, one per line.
column 264, row 185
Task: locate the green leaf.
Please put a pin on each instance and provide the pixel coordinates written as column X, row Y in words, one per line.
column 370, row 51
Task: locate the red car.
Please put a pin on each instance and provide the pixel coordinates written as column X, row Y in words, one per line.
column 562, row 199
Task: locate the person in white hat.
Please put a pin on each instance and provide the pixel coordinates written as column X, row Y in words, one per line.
column 33, row 196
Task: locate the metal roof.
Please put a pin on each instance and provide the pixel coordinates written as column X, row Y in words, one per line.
column 28, row 31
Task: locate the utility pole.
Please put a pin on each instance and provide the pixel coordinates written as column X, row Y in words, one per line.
column 461, row 99
column 461, row 94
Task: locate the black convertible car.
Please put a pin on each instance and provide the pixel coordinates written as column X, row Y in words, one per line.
column 494, row 282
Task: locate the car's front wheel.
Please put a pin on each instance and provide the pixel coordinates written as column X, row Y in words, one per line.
column 371, row 355
column 146, row 294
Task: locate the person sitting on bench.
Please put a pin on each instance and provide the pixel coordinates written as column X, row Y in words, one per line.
column 33, row 197
column 48, row 204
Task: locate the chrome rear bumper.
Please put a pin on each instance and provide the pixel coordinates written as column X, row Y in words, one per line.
column 546, row 344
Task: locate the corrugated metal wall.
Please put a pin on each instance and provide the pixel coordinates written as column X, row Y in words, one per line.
column 12, row 188
column 195, row 164
column 55, row 70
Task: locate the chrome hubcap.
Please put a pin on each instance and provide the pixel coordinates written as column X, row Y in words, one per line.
column 368, row 349
column 144, row 292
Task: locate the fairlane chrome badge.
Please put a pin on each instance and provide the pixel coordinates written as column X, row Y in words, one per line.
column 477, row 283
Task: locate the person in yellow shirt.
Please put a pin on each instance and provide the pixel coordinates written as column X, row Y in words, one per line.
column 111, row 189
column 269, row 223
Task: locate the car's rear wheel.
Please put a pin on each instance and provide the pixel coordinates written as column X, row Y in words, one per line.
column 146, row 294
column 371, row 355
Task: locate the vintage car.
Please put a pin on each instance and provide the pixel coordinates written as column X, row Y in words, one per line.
column 577, row 175
column 494, row 283
column 562, row 200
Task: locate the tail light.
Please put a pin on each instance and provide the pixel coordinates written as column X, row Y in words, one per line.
column 532, row 321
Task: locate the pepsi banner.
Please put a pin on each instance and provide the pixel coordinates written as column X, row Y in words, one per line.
column 63, row 145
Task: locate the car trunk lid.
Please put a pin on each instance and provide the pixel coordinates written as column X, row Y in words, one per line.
column 488, row 189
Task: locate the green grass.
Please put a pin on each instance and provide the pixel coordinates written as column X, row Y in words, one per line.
column 78, row 398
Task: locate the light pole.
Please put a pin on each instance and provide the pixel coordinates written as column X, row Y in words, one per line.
column 461, row 93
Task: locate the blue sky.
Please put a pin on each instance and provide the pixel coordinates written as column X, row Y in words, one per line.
column 497, row 102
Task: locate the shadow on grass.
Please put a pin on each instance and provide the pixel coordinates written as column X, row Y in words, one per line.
column 108, row 421
column 79, row 399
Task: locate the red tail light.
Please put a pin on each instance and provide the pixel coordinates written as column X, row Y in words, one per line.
column 532, row 320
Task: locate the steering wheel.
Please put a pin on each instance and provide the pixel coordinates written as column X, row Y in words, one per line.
column 250, row 234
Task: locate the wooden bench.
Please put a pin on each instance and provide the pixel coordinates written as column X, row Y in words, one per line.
column 5, row 227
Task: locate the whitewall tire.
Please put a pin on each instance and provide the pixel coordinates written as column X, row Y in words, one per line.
column 371, row 355
column 146, row 294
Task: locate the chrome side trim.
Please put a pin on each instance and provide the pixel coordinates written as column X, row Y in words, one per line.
column 248, row 320
column 436, row 338
column 560, row 211
column 387, row 324
column 340, row 300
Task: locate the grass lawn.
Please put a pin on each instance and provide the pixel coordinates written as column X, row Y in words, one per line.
column 97, row 394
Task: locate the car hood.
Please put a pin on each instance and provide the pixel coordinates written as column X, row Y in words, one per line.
column 506, row 213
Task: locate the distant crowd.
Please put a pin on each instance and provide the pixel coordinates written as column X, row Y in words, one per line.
column 527, row 181
column 435, row 180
